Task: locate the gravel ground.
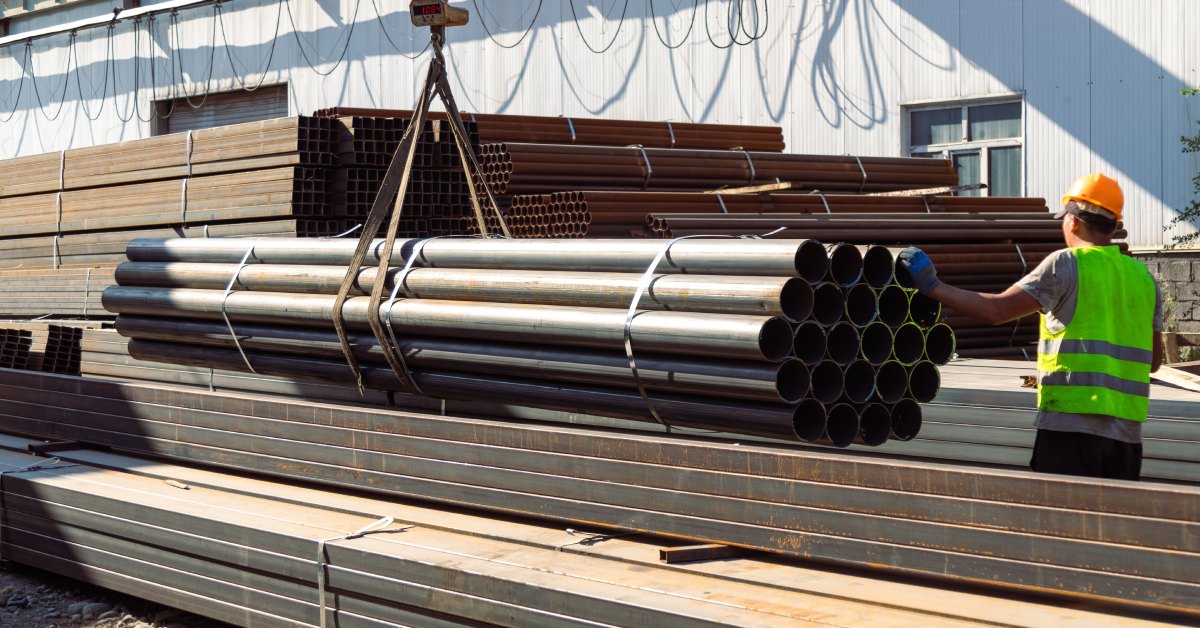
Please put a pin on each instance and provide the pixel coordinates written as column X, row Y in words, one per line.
column 33, row 598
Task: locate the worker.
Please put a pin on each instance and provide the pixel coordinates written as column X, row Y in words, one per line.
column 1101, row 318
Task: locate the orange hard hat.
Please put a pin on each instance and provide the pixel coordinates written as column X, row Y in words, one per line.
column 1098, row 190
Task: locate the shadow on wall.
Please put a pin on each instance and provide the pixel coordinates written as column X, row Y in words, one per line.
column 838, row 49
column 1094, row 85
column 57, row 83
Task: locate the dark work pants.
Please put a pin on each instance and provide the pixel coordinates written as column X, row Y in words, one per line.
column 1076, row 453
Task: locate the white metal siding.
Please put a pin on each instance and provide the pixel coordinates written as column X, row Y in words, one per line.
column 1100, row 78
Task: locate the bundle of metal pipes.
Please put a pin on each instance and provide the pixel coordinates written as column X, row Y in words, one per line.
column 601, row 213
column 494, row 128
column 774, row 338
column 521, row 168
column 1129, row 545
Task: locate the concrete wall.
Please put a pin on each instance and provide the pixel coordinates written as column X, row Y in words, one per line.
column 1178, row 275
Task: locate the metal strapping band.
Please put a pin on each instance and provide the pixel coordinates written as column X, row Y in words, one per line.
column 58, row 207
column 863, row 185
column 190, row 145
column 54, row 257
column 374, row 526
column 646, row 158
column 211, row 387
column 398, row 283
column 87, row 288
column 643, row 285
column 571, row 126
column 721, row 201
column 183, row 189
column 671, row 130
column 225, row 297
column 62, row 170
column 753, row 173
column 345, row 233
column 1025, row 353
column 206, row 231
column 927, row 209
column 824, row 201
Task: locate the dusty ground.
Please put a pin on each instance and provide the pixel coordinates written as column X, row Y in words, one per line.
column 32, row 598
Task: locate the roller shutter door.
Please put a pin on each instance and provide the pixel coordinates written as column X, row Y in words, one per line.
column 222, row 109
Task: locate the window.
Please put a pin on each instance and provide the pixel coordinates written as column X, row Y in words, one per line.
column 982, row 139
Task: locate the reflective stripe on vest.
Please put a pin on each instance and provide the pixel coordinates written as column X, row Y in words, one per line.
column 1100, row 363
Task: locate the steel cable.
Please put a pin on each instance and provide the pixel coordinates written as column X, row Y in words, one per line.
column 79, row 82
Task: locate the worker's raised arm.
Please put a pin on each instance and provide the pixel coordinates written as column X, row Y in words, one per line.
column 995, row 309
column 1009, row 305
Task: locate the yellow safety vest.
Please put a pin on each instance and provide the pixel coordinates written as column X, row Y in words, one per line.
column 1100, row 363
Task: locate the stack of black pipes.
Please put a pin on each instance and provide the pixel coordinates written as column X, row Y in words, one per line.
column 785, row 339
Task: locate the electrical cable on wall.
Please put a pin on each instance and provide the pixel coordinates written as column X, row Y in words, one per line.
column 212, row 55
column 349, row 35
column 388, row 36
column 537, row 11
column 237, row 74
column 579, row 28
column 686, row 35
column 743, row 23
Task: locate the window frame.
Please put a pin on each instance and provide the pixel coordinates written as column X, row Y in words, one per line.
column 983, row 147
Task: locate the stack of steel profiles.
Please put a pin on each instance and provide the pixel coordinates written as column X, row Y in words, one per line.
column 73, row 292
column 437, row 187
column 485, row 128
column 519, row 168
column 983, row 414
column 742, row 342
column 253, row 195
column 51, row 347
column 108, row 247
column 452, row 541
column 1130, row 545
column 371, row 142
column 14, row 352
column 296, row 141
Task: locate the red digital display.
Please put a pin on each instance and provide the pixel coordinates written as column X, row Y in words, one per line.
column 429, row 9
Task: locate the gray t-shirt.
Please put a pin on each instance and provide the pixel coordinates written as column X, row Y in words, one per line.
column 1054, row 284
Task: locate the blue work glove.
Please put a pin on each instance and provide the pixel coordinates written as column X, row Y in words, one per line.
column 918, row 264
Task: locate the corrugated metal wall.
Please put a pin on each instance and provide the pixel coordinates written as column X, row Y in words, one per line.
column 1100, row 78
